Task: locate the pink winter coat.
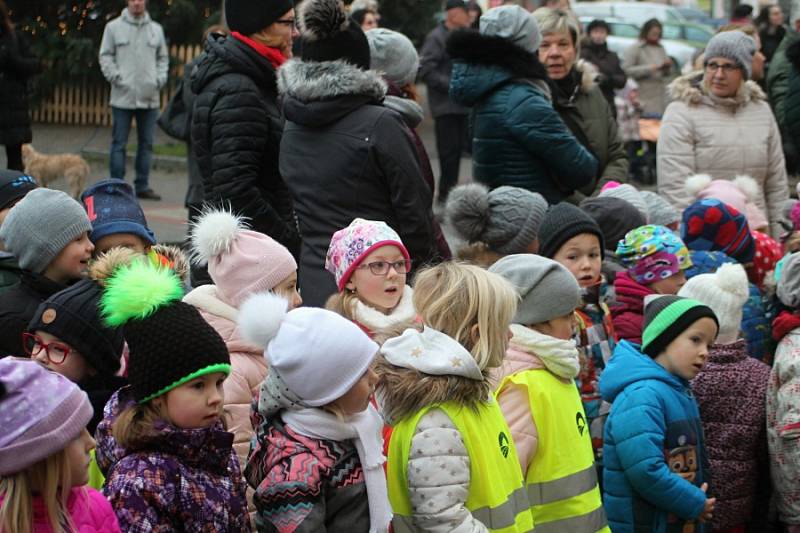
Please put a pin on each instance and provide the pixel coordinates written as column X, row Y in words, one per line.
column 627, row 315
column 89, row 510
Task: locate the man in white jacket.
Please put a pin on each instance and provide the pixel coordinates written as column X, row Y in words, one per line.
column 134, row 60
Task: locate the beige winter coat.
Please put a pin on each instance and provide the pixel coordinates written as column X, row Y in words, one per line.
column 722, row 137
column 637, row 63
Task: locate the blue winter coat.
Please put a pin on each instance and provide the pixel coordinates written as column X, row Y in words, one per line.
column 655, row 459
column 518, row 138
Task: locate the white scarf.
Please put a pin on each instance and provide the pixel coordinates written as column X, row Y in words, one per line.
column 559, row 356
column 375, row 320
column 365, row 430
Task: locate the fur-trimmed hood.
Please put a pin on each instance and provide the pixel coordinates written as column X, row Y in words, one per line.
column 104, row 266
column 690, row 90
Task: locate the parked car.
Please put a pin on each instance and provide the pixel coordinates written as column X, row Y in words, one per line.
column 698, row 16
column 634, row 12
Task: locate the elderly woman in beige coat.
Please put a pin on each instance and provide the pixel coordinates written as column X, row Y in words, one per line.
column 721, row 124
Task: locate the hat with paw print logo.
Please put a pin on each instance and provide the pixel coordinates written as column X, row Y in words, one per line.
column 652, row 253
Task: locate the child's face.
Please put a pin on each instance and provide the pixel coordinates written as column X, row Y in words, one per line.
column 195, row 404
column 72, row 262
column 383, row 292
column 121, row 240
column 562, row 327
column 78, row 458
column 357, row 398
column 582, row 256
column 687, row 354
column 74, row 367
column 670, row 285
column 288, row 289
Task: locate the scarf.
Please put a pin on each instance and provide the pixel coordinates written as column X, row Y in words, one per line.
column 559, row 356
column 273, row 55
column 374, row 320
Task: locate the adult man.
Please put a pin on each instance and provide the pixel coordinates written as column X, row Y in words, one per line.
column 450, row 118
column 134, row 60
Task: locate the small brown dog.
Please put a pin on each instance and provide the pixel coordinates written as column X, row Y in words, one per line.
column 48, row 168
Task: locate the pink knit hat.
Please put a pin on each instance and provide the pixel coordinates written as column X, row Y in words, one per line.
column 40, row 413
column 740, row 193
column 240, row 261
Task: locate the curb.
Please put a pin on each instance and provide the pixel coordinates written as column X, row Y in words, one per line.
column 169, row 163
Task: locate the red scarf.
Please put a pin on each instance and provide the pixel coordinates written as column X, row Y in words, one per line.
column 783, row 324
column 273, row 55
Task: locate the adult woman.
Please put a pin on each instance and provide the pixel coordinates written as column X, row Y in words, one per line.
column 771, row 29
column 720, row 124
column 17, row 65
column 647, row 62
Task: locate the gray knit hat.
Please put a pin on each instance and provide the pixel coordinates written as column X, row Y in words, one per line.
column 789, row 281
column 41, row 225
column 394, row 55
column 514, row 24
column 507, row 219
column 547, row 289
column 734, row 45
column 629, row 193
column 659, row 211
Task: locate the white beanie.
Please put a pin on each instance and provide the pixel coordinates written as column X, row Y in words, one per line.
column 725, row 292
column 319, row 355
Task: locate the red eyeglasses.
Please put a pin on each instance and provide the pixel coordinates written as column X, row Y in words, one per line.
column 56, row 352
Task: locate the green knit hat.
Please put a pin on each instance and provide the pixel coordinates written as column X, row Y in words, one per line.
column 666, row 317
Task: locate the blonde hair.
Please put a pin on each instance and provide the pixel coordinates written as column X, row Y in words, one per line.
column 136, row 425
column 558, row 21
column 343, row 303
column 454, row 297
column 51, row 479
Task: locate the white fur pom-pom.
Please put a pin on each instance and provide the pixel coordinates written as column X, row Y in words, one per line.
column 696, row 183
column 732, row 278
column 748, row 186
column 213, row 234
column 260, row 317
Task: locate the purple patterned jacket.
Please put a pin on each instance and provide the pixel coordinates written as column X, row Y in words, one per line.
column 185, row 480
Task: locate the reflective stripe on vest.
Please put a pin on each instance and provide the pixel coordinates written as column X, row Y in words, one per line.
column 561, row 479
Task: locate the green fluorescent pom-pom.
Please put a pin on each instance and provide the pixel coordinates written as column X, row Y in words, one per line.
column 138, row 290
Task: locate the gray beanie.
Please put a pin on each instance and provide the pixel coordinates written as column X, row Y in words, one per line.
column 734, row 45
column 630, row 194
column 547, row 289
column 507, row 219
column 789, row 281
column 660, row 212
column 41, row 225
column 394, row 55
column 514, row 24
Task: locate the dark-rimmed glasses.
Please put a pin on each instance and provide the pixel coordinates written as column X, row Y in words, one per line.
column 381, row 268
column 727, row 68
column 56, row 352
column 289, row 22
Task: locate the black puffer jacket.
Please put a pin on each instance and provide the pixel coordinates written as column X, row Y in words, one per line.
column 17, row 65
column 344, row 156
column 236, row 135
column 18, row 304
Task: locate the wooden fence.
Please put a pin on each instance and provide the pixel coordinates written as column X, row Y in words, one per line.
column 87, row 105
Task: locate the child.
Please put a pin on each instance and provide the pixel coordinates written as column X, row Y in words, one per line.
column 44, row 453
column 370, row 265
column 655, row 473
column 740, row 193
column 14, row 185
column 48, row 232
column 573, row 239
column 495, row 223
column 317, row 461
column 731, row 392
column 452, row 464
column 116, row 216
column 655, row 259
column 537, row 395
column 168, row 461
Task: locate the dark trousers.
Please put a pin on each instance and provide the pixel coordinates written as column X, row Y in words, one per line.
column 14, row 157
column 451, row 141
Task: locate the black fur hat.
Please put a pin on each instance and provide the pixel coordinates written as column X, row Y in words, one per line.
column 250, row 16
column 328, row 34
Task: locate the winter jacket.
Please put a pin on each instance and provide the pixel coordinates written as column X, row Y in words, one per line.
column 789, row 114
column 731, row 394
column 655, row 458
column 637, row 61
column 722, row 137
column 344, row 155
column 17, row 66
column 182, row 480
column 17, row 307
column 236, row 135
column 627, row 315
column 10, row 271
column 611, row 75
column 435, row 69
column 778, row 88
column 134, row 60
column 518, row 138
column 88, row 509
column 783, row 418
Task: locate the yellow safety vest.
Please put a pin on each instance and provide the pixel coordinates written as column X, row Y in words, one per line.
column 561, row 479
column 496, row 489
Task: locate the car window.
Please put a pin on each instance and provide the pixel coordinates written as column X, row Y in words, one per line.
column 624, row 30
column 588, row 10
column 672, row 32
column 698, row 34
column 634, row 13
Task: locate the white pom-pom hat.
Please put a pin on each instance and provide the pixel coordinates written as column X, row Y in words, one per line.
column 725, row 292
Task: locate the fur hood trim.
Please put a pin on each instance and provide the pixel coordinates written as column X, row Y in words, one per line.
column 205, row 298
column 311, row 81
column 689, row 90
column 472, row 47
column 104, row 266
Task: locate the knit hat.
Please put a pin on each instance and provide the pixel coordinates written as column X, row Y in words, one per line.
column 41, row 413
column 454, row 4
column 112, row 208
column 13, row 186
column 514, row 24
column 506, row 218
column 705, row 262
column 169, row 341
column 351, row 245
column 659, row 211
column 652, row 253
column 597, row 23
column 394, row 55
column 734, row 45
column 768, row 253
column 240, row 262
column 789, row 281
column 712, row 225
column 562, row 222
column 739, row 193
column 73, row 315
column 615, row 216
column 627, row 192
column 317, row 353
column 251, row 16
column 725, row 292
column 328, row 34
column 41, row 225
column 547, row 289
column 666, row 317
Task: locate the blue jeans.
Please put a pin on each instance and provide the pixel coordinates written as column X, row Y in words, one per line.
column 145, row 129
